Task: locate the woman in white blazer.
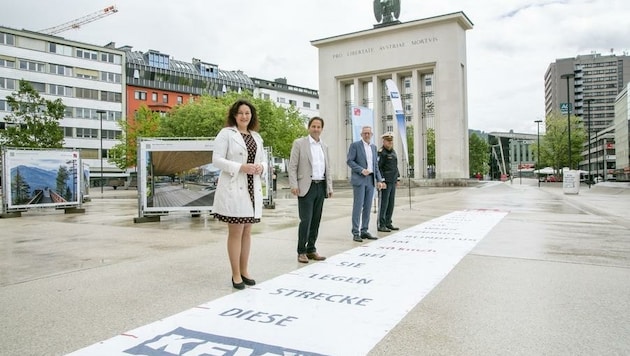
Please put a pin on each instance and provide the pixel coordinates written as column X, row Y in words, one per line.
column 238, row 153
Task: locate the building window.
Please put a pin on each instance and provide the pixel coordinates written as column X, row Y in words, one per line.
column 154, row 97
column 111, row 58
column 59, row 69
column 114, row 97
column 165, row 98
column 293, row 102
column 3, row 106
column 7, row 63
column 40, row 87
column 68, row 132
column 87, row 54
column 84, row 93
column 87, row 133
column 282, row 100
column 306, row 104
column 111, row 77
column 6, row 83
column 180, row 100
column 60, row 49
column 7, row 39
column 59, row 90
column 140, row 95
column 32, row 66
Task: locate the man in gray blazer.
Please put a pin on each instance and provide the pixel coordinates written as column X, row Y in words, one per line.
column 310, row 180
column 365, row 175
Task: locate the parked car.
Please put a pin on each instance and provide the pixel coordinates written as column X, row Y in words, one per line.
column 551, row 179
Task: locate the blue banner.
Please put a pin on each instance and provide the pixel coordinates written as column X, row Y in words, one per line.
column 394, row 94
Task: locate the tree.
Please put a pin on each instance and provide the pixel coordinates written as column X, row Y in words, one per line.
column 33, row 121
column 477, row 155
column 203, row 117
column 554, row 144
column 431, row 147
column 145, row 124
column 280, row 126
column 20, row 188
column 62, row 177
column 206, row 116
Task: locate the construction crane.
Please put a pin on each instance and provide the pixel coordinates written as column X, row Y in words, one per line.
column 76, row 23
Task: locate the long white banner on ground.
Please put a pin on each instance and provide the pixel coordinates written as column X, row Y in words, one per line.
column 342, row 306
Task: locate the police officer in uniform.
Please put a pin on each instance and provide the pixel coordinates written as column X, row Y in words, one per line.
column 388, row 165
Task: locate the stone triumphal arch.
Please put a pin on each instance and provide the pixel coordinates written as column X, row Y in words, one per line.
column 426, row 59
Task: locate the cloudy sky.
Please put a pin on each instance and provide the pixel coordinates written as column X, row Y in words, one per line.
column 509, row 48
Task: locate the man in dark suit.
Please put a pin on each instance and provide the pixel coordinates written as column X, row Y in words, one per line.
column 310, row 180
column 388, row 165
column 365, row 175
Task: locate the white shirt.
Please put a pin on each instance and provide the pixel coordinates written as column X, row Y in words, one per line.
column 319, row 164
column 368, row 154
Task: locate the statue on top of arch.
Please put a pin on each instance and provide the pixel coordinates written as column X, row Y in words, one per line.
column 387, row 11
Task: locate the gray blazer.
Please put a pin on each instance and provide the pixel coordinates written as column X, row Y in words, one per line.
column 301, row 167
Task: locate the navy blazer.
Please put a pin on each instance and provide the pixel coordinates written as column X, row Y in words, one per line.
column 357, row 161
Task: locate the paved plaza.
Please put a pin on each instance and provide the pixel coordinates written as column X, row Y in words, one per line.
column 551, row 278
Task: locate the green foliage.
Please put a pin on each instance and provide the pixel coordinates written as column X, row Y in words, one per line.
column 279, row 127
column 35, row 120
column 20, row 188
column 410, row 146
column 554, row 144
column 62, row 176
column 145, row 124
column 478, row 155
column 205, row 117
column 431, row 147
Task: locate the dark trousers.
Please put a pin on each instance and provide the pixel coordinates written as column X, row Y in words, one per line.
column 386, row 207
column 310, row 210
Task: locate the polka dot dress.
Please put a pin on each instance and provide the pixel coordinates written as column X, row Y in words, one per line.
column 251, row 154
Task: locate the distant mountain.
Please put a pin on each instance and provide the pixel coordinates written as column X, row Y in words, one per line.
column 36, row 178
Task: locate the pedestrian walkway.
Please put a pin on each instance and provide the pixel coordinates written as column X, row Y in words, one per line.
column 552, row 277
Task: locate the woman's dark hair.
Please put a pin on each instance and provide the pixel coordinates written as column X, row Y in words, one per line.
column 316, row 118
column 231, row 117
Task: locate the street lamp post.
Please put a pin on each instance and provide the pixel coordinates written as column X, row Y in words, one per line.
column 100, row 152
column 588, row 102
column 538, row 137
column 567, row 77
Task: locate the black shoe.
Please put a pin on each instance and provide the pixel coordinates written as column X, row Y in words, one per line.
column 357, row 238
column 383, row 229
column 367, row 235
column 247, row 281
column 391, row 227
column 238, row 285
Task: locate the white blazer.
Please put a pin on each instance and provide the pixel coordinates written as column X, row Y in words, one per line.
column 232, row 197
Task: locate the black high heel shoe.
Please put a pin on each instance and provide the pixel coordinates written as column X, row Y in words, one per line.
column 238, row 285
column 247, row 281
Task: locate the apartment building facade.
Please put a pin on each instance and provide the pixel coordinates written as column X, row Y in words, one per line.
column 160, row 82
column 593, row 78
column 89, row 79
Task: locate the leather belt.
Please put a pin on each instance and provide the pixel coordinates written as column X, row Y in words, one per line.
column 317, row 181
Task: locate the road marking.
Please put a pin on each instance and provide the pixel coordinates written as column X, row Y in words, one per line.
column 342, row 306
